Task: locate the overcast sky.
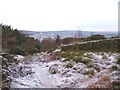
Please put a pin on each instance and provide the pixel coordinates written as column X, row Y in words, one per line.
column 51, row 15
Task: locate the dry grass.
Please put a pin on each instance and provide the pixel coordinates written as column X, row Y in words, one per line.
column 103, row 82
column 105, row 78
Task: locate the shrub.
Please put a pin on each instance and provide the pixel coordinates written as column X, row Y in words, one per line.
column 17, row 50
column 16, row 42
column 118, row 60
column 74, row 56
column 67, row 55
column 115, row 84
column 5, row 75
column 105, row 46
column 105, row 78
column 48, row 44
column 114, row 67
column 96, row 37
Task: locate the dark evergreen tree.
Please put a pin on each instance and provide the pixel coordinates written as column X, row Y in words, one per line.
column 58, row 40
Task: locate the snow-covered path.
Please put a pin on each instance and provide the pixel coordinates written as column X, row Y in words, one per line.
column 40, row 77
column 65, row 77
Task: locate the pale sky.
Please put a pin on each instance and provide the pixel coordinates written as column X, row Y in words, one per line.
column 54, row 15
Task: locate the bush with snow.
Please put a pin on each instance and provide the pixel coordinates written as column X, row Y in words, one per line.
column 6, row 80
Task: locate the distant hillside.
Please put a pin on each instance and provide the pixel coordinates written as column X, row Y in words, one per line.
column 106, row 45
column 66, row 33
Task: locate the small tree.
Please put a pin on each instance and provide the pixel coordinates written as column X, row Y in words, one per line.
column 58, row 40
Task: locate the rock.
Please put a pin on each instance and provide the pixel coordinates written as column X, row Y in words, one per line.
column 53, row 69
column 89, row 72
column 68, row 75
column 64, row 72
column 108, row 63
column 97, row 67
column 62, row 59
column 69, row 65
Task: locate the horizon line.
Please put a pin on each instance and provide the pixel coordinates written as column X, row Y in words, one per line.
column 65, row 30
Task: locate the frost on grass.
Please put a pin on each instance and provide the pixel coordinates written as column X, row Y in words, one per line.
column 78, row 70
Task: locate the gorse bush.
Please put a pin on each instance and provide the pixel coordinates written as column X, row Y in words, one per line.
column 17, row 50
column 95, row 37
column 16, row 42
column 69, row 40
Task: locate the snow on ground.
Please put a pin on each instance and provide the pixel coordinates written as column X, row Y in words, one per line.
column 19, row 57
column 54, row 74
